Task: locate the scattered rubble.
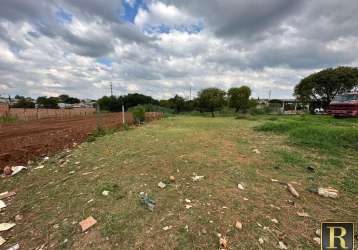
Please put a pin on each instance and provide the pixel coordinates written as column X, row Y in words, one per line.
column 146, row 201
column 162, row 185
column 197, row 177
column 87, row 223
column 105, row 192
column 2, row 204
column 19, row 217
column 256, row 151
column 274, row 221
column 6, row 226
column 240, row 186
column 303, row 214
column 238, row 225
column 292, row 190
column 2, row 240
column 7, row 194
column 166, row 228
column 14, row 247
column 282, row 245
column 223, row 243
column 328, row 192
column 317, row 240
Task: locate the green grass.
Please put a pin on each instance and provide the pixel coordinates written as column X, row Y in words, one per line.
column 55, row 198
column 7, row 119
column 327, row 134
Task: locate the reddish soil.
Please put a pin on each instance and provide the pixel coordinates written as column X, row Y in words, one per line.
column 25, row 141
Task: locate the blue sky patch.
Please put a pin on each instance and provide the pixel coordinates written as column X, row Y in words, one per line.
column 105, row 61
column 64, row 16
column 130, row 11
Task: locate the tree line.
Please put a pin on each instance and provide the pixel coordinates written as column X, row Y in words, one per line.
column 208, row 100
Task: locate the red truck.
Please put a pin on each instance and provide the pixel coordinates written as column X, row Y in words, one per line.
column 345, row 105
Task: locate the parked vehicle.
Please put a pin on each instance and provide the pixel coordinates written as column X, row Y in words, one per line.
column 345, row 105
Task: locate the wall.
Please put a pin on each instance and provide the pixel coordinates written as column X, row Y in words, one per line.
column 34, row 114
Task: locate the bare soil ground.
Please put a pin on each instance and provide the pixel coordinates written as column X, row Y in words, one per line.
column 23, row 141
column 52, row 200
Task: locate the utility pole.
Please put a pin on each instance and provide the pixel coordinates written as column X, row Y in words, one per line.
column 111, row 89
column 190, row 94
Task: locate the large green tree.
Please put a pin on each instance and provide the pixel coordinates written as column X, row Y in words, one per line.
column 239, row 98
column 177, row 103
column 323, row 86
column 211, row 99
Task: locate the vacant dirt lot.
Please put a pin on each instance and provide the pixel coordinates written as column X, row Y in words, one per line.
column 189, row 214
column 25, row 141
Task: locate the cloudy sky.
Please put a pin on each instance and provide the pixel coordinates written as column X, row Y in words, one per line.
column 166, row 47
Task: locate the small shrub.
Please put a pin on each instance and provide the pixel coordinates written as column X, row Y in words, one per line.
column 138, row 113
column 7, row 119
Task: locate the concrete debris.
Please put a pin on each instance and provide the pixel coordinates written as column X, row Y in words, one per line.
column 7, row 171
column 39, row 167
column 187, row 201
column 317, row 241
column 282, row 245
column 188, row 206
column 2, row 204
column 105, row 192
column 303, row 214
column 197, row 177
column 238, row 225
column 14, row 247
column 274, row 180
column 240, row 186
column 46, row 158
column 318, row 232
column 166, row 228
column 186, row 228
column 256, row 151
column 87, row 223
column 274, row 221
column 161, row 185
column 7, row 194
column 19, row 217
column 15, row 170
column 245, row 199
column 2, row 240
column 6, row 226
column 275, row 207
column 223, row 243
column 292, row 190
column 261, row 241
column 328, row 192
column 172, row 178
column 146, row 201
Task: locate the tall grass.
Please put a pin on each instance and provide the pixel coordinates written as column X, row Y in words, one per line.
column 7, row 119
column 325, row 134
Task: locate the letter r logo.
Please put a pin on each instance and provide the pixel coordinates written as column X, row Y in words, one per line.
column 337, row 236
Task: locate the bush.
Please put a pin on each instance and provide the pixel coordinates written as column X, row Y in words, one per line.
column 7, row 119
column 138, row 113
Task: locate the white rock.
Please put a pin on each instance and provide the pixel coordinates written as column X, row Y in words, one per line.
column 240, row 186
column 2, row 240
column 328, row 192
column 167, row 228
column 161, row 185
column 105, row 193
column 6, row 226
column 238, row 225
column 2, row 204
column 187, row 201
column 317, row 240
column 261, row 241
column 275, row 221
column 282, row 245
column 318, row 232
column 188, row 206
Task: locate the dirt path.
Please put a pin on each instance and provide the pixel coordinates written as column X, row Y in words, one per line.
column 25, row 141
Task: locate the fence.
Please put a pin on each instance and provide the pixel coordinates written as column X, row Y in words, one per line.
column 35, row 114
column 151, row 116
